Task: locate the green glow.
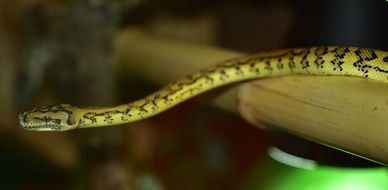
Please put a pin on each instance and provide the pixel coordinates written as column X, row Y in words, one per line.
column 281, row 171
column 325, row 178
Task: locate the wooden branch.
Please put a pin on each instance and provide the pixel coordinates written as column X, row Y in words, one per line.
column 343, row 112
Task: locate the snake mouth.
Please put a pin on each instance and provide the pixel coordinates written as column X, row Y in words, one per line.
column 41, row 128
column 47, row 127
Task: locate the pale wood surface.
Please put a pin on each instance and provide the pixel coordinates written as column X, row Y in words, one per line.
column 347, row 113
column 162, row 60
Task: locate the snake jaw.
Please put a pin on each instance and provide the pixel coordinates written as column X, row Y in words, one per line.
column 60, row 117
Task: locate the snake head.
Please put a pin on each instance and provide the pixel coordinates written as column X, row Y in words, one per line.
column 59, row 117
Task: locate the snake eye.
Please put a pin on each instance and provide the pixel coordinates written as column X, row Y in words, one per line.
column 385, row 59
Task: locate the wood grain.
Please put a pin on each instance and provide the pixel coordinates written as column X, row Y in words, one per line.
column 343, row 112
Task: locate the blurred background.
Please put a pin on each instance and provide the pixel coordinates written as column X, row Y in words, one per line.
column 63, row 51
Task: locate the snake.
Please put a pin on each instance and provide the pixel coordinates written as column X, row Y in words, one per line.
column 367, row 63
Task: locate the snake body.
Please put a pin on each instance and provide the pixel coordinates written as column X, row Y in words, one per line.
column 344, row 61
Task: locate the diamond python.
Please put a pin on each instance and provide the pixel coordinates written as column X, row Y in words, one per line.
column 343, row 61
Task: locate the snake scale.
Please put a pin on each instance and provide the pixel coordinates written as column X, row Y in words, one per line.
column 327, row 60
